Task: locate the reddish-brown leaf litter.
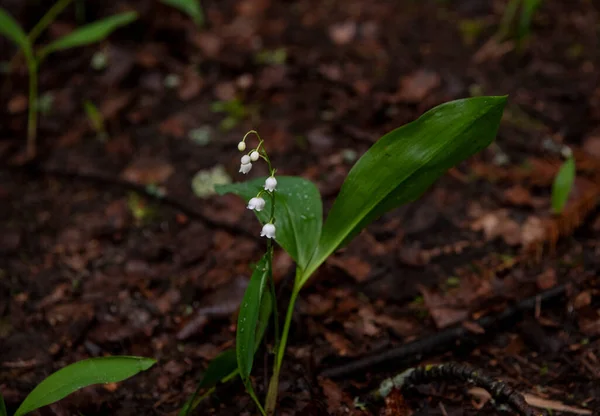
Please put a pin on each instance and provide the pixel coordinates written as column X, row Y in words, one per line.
column 106, row 250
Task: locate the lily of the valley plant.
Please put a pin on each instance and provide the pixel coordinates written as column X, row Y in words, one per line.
column 397, row 169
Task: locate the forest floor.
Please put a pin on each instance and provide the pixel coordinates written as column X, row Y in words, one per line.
column 91, row 263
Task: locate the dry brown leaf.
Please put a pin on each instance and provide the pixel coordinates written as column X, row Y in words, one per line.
column 547, row 279
column 416, row 86
column 518, row 195
column 146, row 171
column 498, row 224
column 342, row 33
column 481, row 396
column 541, row 403
column 395, row 405
column 354, row 266
column 591, row 145
column 443, row 314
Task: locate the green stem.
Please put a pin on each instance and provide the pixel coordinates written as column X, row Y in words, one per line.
column 32, row 114
column 47, row 19
column 271, row 400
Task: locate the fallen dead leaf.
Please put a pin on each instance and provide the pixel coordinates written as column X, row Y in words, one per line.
column 533, row 231
column 443, row 315
column 591, row 145
column 334, row 395
column 146, row 171
column 395, row 405
column 416, row 86
column 541, row 403
column 547, row 279
column 342, row 33
column 191, row 85
column 582, row 300
column 498, row 224
column 17, row 104
column 481, row 397
column 492, row 50
column 209, row 43
column 354, row 266
column 518, row 195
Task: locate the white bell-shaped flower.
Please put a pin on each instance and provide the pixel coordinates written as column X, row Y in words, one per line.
column 246, row 165
column 245, row 168
column 256, row 204
column 254, row 156
column 270, row 184
column 241, row 146
column 268, row 231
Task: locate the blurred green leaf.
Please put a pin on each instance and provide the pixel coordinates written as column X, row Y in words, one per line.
column 82, row 374
column 10, row 28
column 563, row 184
column 528, row 9
column 298, row 213
column 2, row 406
column 404, row 163
column 190, row 7
column 94, row 115
column 90, row 33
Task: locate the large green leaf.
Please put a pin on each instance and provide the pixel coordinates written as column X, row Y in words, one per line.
column 82, row 374
column 90, row 33
column 563, row 184
column 190, row 7
column 10, row 28
column 298, row 213
column 401, row 165
column 248, row 317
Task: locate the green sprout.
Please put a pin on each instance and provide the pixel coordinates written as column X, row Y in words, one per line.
column 85, row 35
column 234, row 111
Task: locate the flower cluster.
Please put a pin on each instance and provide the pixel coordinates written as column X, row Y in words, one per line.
column 258, row 203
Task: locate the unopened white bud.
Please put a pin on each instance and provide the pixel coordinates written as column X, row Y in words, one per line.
column 254, row 156
column 241, row 146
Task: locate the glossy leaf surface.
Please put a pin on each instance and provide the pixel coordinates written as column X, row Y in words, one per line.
column 298, row 212
column 401, row 165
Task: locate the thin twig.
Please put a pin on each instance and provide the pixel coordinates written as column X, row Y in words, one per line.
column 419, row 349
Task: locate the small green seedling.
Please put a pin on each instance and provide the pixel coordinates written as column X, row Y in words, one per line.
column 522, row 31
column 190, row 7
column 396, row 170
column 563, row 184
column 96, row 120
column 85, row 35
column 234, row 110
column 76, row 376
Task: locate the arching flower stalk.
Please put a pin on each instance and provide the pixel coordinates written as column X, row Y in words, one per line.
column 269, row 229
